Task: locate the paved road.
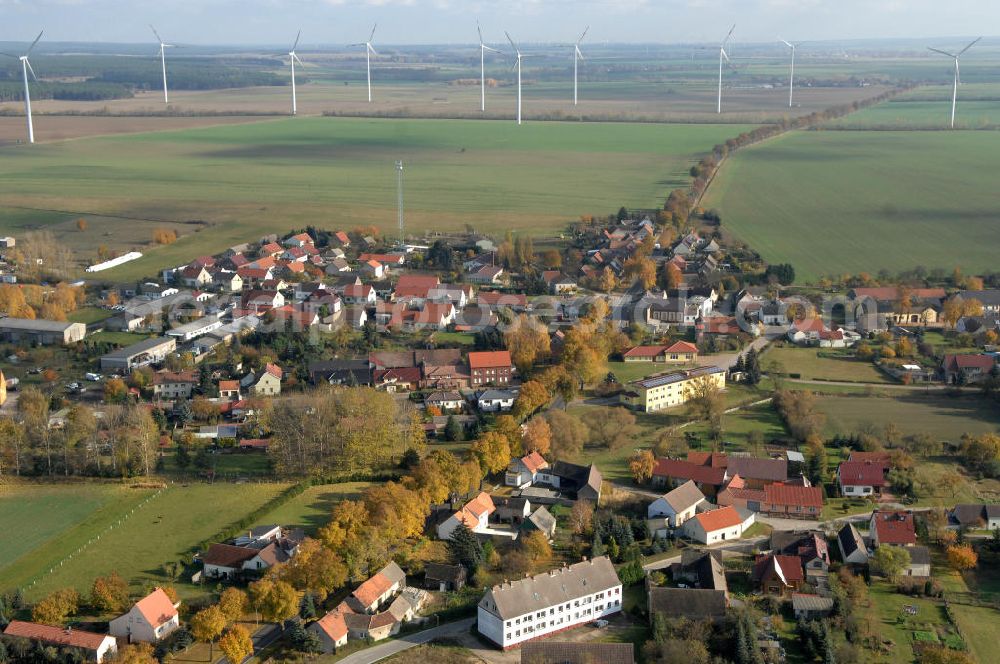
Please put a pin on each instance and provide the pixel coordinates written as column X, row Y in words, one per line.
column 390, row 648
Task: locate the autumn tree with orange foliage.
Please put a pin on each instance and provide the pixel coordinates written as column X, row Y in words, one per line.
column 164, row 236
column 962, row 556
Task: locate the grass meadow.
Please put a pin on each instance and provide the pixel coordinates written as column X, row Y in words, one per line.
column 61, row 519
column 835, row 202
column 943, row 417
column 227, row 184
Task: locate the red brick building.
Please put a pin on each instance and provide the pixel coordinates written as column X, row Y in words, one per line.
column 490, row 368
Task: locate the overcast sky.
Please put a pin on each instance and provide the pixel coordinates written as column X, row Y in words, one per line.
column 453, row 21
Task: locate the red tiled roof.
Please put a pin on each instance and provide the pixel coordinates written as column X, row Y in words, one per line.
column 969, row 361
column 65, row 637
column 810, row 325
column 227, row 555
column 357, row 290
column 724, row 517
column 415, row 285
column 644, row 351
column 794, row 496
column 369, row 591
column 156, row 608
column 496, row 298
column 489, row 359
column 342, row 237
column 333, row 624
column 861, row 473
column 789, row 566
column 683, row 347
column 169, row 377
column 402, row 374
column 229, row 385
column 534, row 462
column 273, row 369
column 684, row 470
column 894, row 527
column 711, row 459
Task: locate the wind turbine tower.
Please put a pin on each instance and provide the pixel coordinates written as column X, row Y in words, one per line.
column 520, row 57
column 369, row 52
column 791, row 76
column 577, row 56
column 723, row 55
column 163, row 61
column 958, row 75
column 292, row 59
column 482, row 67
column 25, row 68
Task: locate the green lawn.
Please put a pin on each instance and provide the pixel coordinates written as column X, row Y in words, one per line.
column 453, row 338
column 89, row 315
column 241, row 181
column 835, row 202
column 900, row 628
column 929, row 107
column 311, row 509
column 822, row 364
column 164, row 529
column 979, row 625
column 946, row 418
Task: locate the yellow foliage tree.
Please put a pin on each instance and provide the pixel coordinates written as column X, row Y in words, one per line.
column 236, row 644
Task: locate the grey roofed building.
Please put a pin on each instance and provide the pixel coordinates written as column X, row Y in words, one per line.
column 684, row 497
column 919, row 556
column 542, row 520
column 561, row 652
column 341, row 372
column 690, row 603
column 41, row 331
column 751, row 468
column 975, row 516
column 702, row 568
column 810, row 606
column 145, row 352
column 852, row 545
column 558, row 586
column 585, row 481
column 445, row 577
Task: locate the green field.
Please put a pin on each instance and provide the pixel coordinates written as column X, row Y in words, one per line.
column 945, row 418
column 929, row 107
column 239, row 182
column 311, row 509
column 822, row 364
column 159, row 531
column 840, row 202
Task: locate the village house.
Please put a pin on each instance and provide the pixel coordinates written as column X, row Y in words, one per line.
column 140, row 354
column 525, row 471
column 517, row 611
column 891, row 527
column 777, row 574
column 174, row 384
column 401, row 379
column 362, row 294
column 976, row 517
column 475, row 515
column 416, row 286
column 458, row 296
column 378, row 590
column 693, row 604
column 542, row 521
column 792, row 502
column 152, row 618
column 488, row 274
column 577, row 482
column 810, row 547
column 671, row 389
column 445, row 401
column 225, row 561
column 490, row 367
column 331, row 630
column 811, row 607
column 675, row 472
column 861, row 478
column 725, row 523
column 756, row 472
column 496, row 401
column 965, row 369
column 678, row 505
column 264, row 383
column 97, row 646
column 680, row 352
column 853, row 550
column 444, row 578
column 558, row 283
column 195, row 276
column 229, row 389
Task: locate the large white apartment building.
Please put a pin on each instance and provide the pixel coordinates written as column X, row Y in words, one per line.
column 670, row 389
column 518, row 611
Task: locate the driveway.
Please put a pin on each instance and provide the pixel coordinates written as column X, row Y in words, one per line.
column 389, row 648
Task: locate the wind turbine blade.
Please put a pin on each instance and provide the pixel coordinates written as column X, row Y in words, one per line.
column 516, row 50
column 724, row 54
column 10, row 55
column 31, row 70
column 730, row 34
column 30, row 48
column 586, row 30
column 579, row 53
column 372, row 36
column 969, row 46
column 372, row 49
column 958, row 72
column 156, row 34
column 788, row 44
column 479, row 29
column 937, row 50
column 297, row 38
column 298, row 59
column 490, row 49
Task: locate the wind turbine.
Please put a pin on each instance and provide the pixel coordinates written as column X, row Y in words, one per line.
column 482, row 67
column 958, row 76
column 723, row 55
column 25, row 68
column 292, row 59
column 369, row 52
column 791, row 77
column 520, row 57
column 577, row 56
column 163, row 61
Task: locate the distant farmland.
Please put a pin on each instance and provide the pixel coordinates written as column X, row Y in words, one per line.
column 246, row 180
column 840, row 202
